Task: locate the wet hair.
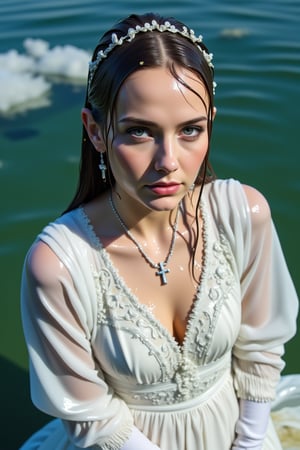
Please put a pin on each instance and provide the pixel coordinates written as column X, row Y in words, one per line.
column 154, row 49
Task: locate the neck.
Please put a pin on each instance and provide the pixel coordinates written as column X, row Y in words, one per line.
column 142, row 221
column 160, row 264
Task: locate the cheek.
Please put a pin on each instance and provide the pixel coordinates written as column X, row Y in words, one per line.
column 126, row 164
column 194, row 159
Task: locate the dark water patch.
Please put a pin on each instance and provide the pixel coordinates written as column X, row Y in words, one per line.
column 18, row 134
column 18, row 406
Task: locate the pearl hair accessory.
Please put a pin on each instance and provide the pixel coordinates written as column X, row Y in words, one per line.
column 154, row 26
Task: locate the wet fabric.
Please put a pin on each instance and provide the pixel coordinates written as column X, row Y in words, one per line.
column 101, row 361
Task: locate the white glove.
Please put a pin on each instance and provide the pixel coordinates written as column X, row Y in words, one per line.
column 138, row 441
column 252, row 425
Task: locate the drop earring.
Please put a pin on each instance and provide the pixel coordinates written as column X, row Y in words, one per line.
column 102, row 167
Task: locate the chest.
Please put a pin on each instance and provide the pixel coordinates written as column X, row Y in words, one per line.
column 203, row 328
column 167, row 290
column 187, row 293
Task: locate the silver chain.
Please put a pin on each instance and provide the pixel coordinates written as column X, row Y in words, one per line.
column 162, row 270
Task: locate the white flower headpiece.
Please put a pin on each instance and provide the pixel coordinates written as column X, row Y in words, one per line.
column 154, row 26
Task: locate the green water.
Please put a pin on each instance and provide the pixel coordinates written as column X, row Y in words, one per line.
column 256, row 140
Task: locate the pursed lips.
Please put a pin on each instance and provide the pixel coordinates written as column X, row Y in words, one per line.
column 164, row 187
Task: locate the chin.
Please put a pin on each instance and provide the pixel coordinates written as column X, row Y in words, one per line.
column 164, row 203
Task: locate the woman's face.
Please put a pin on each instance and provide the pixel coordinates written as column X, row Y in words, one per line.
column 160, row 137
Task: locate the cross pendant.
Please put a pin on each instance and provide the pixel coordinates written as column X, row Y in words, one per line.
column 162, row 272
column 102, row 168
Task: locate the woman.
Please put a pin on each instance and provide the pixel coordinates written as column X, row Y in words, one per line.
column 156, row 308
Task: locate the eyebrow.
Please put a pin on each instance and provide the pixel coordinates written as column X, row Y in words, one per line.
column 150, row 123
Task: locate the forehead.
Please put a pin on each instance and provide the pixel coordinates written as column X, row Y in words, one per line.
column 157, row 90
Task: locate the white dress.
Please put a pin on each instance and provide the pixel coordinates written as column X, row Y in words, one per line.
column 100, row 361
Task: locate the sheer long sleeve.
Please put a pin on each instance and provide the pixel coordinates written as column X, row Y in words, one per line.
column 269, row 303
column 58, row 312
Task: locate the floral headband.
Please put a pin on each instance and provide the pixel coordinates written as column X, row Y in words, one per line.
column 154, row 26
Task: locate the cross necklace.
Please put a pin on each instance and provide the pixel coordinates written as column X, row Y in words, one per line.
column 161, row 267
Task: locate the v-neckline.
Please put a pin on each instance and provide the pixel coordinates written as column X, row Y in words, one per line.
column 97, row 243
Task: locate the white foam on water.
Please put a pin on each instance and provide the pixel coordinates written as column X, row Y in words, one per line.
column 25, row 78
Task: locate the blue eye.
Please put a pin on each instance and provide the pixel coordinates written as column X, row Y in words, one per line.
column 138, row 132
column 191, row 131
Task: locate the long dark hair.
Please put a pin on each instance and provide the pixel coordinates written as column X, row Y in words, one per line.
column 155, row 49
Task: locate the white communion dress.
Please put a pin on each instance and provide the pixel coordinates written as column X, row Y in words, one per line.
column 100, row 362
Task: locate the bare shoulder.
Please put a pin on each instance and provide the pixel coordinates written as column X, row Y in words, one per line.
column 43, row 265
column 258, row 205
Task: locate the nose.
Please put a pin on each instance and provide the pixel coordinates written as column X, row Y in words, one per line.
column 166, row 156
